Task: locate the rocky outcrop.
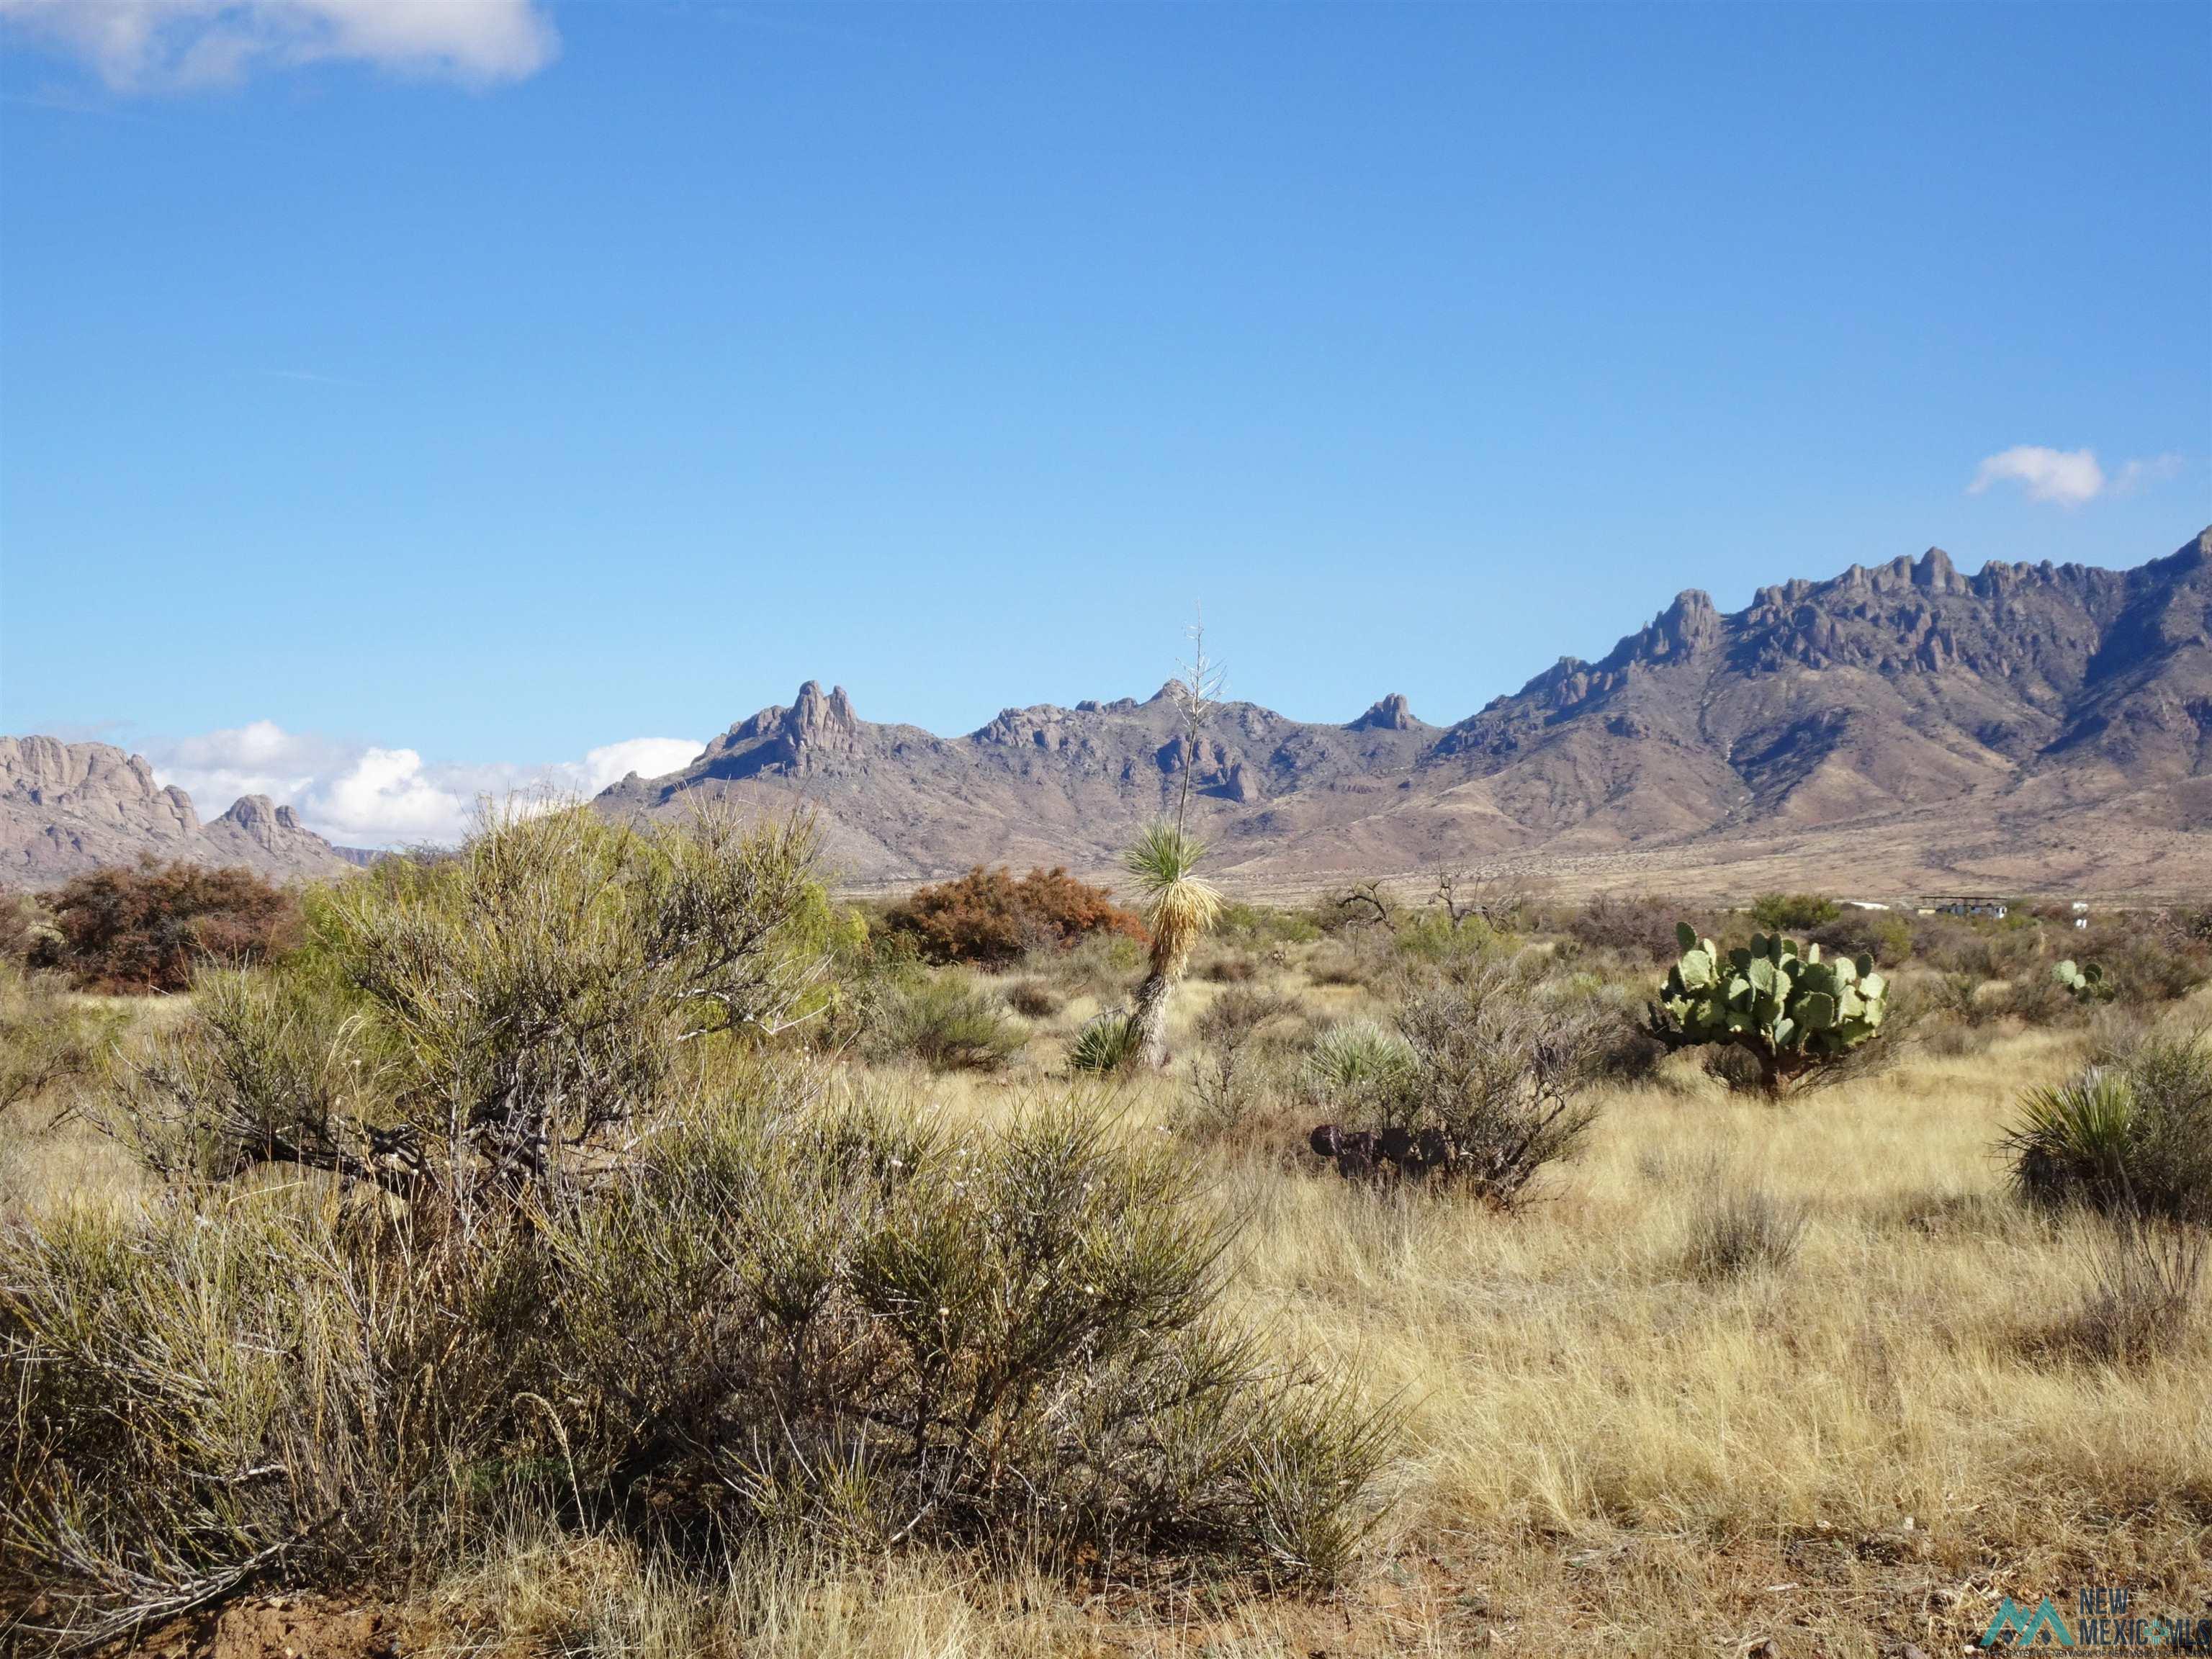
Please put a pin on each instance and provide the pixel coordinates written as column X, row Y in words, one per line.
column 69, row 807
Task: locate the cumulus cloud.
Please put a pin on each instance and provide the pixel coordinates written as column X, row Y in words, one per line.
column 2067, row 476
column 141, row 45
column 367, row 795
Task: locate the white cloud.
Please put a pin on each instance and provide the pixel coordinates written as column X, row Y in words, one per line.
column 2155, row 470
column 2069, row 476
column 138, row 46
column 366, row 795
column 649, row 757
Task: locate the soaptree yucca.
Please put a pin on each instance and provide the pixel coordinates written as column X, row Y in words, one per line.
column 1179, row 907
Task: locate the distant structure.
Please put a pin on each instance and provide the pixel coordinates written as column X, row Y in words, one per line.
column 1970, row 905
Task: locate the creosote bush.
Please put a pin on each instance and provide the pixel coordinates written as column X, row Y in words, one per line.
column 839, row 1320
column 471, row 1024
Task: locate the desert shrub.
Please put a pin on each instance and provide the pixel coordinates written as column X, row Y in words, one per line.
column 1264, row 927
column 147, row 928
column 214, row 1387
column 1885, row 935
column 24, row 927
column 1362, row 904
column 1793, row 913
column 2132, row 1135
column 1739, row 1230
column 1227, row 967
column 467, row 1026
column 2038, row 1000
column 2150, row 965
column 1435, row 936
column 846, row 1323
column 945, row 1021
column 1033, row 999
column 1635, row 925
column 775, row 1314
column 1983, row 948
column 1238, row 1058
column 988, row 918
column 2145, row 1295
column 1107, row 1043
column 48, row 1040
column 1492, row 1092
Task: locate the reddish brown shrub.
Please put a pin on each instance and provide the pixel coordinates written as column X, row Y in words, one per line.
column 989, row 918
column 145, row 929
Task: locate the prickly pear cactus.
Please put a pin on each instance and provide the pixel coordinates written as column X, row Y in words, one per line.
column 2086, row 982
column 1782, row 1003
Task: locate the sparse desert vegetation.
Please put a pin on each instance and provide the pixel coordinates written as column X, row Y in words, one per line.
column 604, row 1242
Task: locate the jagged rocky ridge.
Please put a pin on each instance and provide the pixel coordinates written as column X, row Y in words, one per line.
column 1961, row 712
column 68, row 807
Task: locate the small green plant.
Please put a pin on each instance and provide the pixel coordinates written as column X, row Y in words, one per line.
column 1107, row 1043
column 1786, row 1008
column 2086, row 982
column 1356, row 1065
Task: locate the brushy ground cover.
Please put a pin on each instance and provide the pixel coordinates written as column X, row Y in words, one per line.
column 1835, row 1373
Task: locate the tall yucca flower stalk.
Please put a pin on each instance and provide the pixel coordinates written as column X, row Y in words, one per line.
column 1179, row 906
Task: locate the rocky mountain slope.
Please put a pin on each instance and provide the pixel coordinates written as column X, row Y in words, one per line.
column 2030, row 726
column 67, row 807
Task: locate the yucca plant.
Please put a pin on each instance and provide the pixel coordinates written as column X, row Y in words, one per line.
column 2073, row 1142
column 1105, row 1044
column 1178, row 906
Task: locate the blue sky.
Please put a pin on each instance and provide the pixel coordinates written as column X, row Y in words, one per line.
column 474, row 389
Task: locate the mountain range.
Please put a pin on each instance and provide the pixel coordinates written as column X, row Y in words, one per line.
column 1897, row 729
column 69, row 807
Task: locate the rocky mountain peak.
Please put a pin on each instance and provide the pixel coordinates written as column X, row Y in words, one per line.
column 1389, row 714
column 815, row 720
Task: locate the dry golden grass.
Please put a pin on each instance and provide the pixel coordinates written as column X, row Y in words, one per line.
column 1608, row 1453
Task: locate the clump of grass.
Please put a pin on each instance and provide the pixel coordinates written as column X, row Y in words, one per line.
column 944, row 1020
column 2146, row 1295
column 1033, row 999
column 1736, row 1231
